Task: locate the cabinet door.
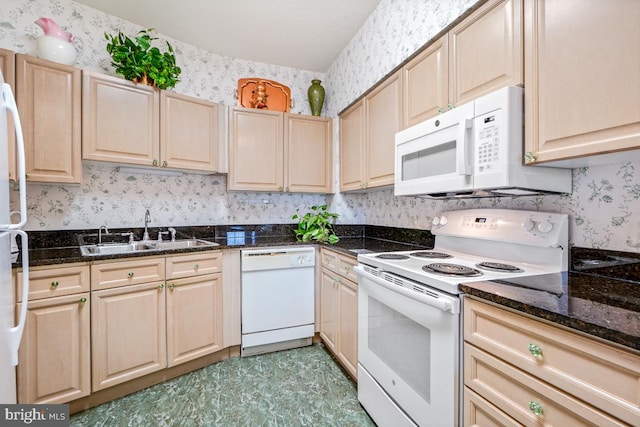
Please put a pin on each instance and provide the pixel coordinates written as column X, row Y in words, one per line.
column 486, row 51
column 8, row 68
column 54, row 359
column 348, row 335
column 128, row 340
column 582, row 74
column 49, row 101
column 189, row 132
column 329, row 309
column 119, row 121
column 352, row 146
column 425, row 83
column 255, row 150
column 383, row 120
column 194, row 318
column 308, row 154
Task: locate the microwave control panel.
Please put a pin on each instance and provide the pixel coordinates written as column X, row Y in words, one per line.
column 487, row 142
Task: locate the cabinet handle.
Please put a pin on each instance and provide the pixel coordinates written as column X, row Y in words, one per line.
column 197, row 266
column 535, row 350
column 155, row 162
column 279, row 188
column 165, row 164
column 347, row 268
column 55, row 284
column 171, row 286
column 130, row 275
column 536, row 408
column 82, row 300
column 161, row 286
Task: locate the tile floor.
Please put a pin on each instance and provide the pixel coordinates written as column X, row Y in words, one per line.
column 300, row 387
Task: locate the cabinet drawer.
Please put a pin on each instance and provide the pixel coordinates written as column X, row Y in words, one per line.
column 345, row 267
column 602, row 375
column 517, row 394
column 329, row 259
column 480, row 413
column 55, row 282
column 121, row 273
column 193, row 265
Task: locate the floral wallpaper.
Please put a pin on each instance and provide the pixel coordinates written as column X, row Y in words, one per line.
column 604, row 207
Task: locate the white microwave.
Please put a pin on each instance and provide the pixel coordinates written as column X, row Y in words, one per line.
column 473, row 150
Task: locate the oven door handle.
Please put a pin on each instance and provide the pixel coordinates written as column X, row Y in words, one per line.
column 443, row 302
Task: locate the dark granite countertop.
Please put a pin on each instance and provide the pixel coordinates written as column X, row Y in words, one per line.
column 604, row 307
column 63, row 247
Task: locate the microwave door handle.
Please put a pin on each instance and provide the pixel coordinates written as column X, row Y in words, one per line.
column 463, row 153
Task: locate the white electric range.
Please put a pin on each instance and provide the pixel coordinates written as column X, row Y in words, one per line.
column 409, row 369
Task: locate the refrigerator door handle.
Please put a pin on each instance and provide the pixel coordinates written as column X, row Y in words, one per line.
column 15, row 333
column 8, row 101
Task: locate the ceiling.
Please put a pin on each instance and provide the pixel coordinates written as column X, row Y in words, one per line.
column 304, row 34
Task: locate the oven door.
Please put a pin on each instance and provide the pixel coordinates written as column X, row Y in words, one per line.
column 408, row 352
column 435, row 156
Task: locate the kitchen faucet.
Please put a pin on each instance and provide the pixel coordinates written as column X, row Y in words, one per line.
column 106, row 231
column 147, row 220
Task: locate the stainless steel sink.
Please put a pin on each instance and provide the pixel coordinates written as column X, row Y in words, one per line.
column 115, row 248
column 123, row 248
column 184, row 244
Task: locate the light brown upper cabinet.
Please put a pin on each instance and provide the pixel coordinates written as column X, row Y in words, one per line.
column 582, row 68
column 478, row 56
column 8, row 68
column 49, row 101
column 367, row 137
column 129, row 123
column 275, row 151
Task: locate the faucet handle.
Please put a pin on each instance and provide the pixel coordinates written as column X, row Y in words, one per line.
column 173, row 233
column 160, row 233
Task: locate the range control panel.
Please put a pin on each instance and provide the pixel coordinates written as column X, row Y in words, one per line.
column 539, row 228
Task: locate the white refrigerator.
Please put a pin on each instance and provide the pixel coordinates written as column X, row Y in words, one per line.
column 11, row 323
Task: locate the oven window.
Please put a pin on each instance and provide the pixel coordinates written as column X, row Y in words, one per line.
column 434, row 161
column 401, row 344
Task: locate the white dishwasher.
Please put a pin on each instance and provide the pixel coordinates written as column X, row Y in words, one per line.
column 277, row 299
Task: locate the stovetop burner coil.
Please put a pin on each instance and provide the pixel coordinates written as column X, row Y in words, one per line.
column 430, row 254
column 497, row 266
column 447, row 269
column 396, row 257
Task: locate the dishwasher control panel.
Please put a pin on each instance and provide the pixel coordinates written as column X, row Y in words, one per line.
column 277, row 258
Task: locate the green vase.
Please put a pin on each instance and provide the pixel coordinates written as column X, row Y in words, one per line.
column 316, row 97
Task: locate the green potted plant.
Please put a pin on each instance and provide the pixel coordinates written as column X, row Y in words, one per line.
column 136, row 60
column 316, row 225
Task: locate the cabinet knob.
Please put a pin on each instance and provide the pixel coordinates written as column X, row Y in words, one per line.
column 55, row 284
column 536, row 408
column 130, row 275
column 197, row 266
column 347, row 268
column 165, row 164
column 529, row 157
column 82, row 300
column 155, row 162
column 161, row 286
column 535, row 350
column 171, row 286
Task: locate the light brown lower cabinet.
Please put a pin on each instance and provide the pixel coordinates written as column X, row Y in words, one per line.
column 194, row 318
column 54, row 355
column 538, row 374
column 339, row 308
column 127, row 333
column 173, row 317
